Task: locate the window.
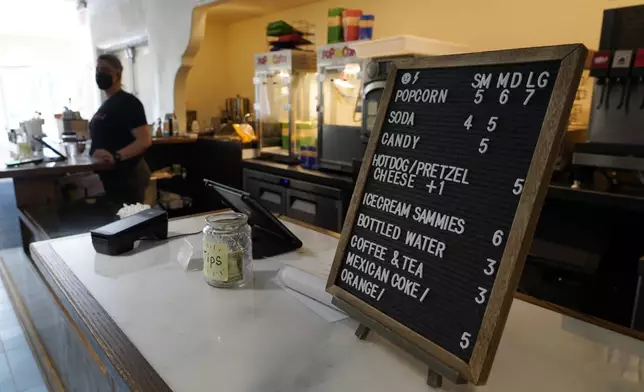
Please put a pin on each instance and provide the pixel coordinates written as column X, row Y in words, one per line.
column 46, row 59
column 25, row 90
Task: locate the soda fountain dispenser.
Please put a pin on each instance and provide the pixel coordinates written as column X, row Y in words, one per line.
column 620, row 78
column 600, row 66
column 615, row 145
column 637, row 73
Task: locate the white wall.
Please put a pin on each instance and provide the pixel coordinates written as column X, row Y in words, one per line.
column 166, row 23
column 138, row 80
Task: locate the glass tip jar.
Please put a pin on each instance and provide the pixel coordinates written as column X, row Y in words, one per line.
column 227, row 250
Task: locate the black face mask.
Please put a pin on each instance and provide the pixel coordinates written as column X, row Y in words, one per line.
column 104, row 80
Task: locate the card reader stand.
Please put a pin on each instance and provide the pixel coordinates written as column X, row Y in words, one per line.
column 270, row 237
column 268, row 244
column 437, row 370
column 120, row 236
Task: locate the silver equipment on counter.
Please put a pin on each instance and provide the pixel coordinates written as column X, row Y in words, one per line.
column 24, row 136
column 375, row 79
column 379, row 54
column 70, row 123
column 33, row 127
column 237, row 109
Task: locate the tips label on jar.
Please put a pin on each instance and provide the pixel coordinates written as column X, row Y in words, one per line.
column 216, row 261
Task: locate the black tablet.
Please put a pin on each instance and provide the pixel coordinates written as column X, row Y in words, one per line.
column 60, row 157
column 270, row 236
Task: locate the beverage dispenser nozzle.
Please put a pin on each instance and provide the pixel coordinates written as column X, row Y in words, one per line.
column 600, row 65
column 620, row 73
column 602, row 93
column 626, row 94
column 638, row 71
column 607, row 90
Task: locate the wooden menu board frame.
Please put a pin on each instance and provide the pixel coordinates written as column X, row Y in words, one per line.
column 553, row 127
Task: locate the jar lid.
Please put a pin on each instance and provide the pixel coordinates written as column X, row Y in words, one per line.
column 227, row 221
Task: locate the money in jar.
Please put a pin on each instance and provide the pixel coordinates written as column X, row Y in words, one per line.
column 227, row 250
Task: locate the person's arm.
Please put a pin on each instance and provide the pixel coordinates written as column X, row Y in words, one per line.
column 140, row 131
column 102, row 156
column 143, row 141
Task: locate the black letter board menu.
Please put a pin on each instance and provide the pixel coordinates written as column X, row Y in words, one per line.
column 449, row 195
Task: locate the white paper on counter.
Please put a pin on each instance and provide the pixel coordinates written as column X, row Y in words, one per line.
column 319, row 267
column 310, row 290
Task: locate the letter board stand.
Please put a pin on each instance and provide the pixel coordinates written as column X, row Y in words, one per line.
column 448, row 198
column 437, row 370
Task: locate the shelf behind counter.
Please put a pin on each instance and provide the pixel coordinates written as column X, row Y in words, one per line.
column 217, row 159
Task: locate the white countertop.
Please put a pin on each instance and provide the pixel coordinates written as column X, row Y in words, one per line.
column 261, row 339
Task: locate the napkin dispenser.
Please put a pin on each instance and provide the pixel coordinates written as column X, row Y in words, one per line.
column 120, row 236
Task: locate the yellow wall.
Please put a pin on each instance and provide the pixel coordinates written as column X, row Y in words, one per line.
column 207, row 86
column 479, row 24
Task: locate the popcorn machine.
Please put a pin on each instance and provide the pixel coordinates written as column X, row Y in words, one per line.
column 339, row 113
column 285, row 103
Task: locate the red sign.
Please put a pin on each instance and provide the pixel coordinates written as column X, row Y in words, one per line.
column 639, row 58
column 601, row 59
column 275, row 59
column 346, row 51
column 278, row 59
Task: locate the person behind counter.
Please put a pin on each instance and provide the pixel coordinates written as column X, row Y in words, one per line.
column 120, row 135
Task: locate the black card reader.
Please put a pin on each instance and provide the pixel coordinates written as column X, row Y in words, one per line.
column 119, row 237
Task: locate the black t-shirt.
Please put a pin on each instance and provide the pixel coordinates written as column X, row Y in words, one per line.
column 112, row 125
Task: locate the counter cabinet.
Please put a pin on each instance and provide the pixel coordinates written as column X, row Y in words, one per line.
column 314, row 197
column 309, row 202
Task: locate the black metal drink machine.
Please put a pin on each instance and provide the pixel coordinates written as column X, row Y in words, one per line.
column 615, row 145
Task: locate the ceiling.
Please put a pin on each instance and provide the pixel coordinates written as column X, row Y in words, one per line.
column 230, row 11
